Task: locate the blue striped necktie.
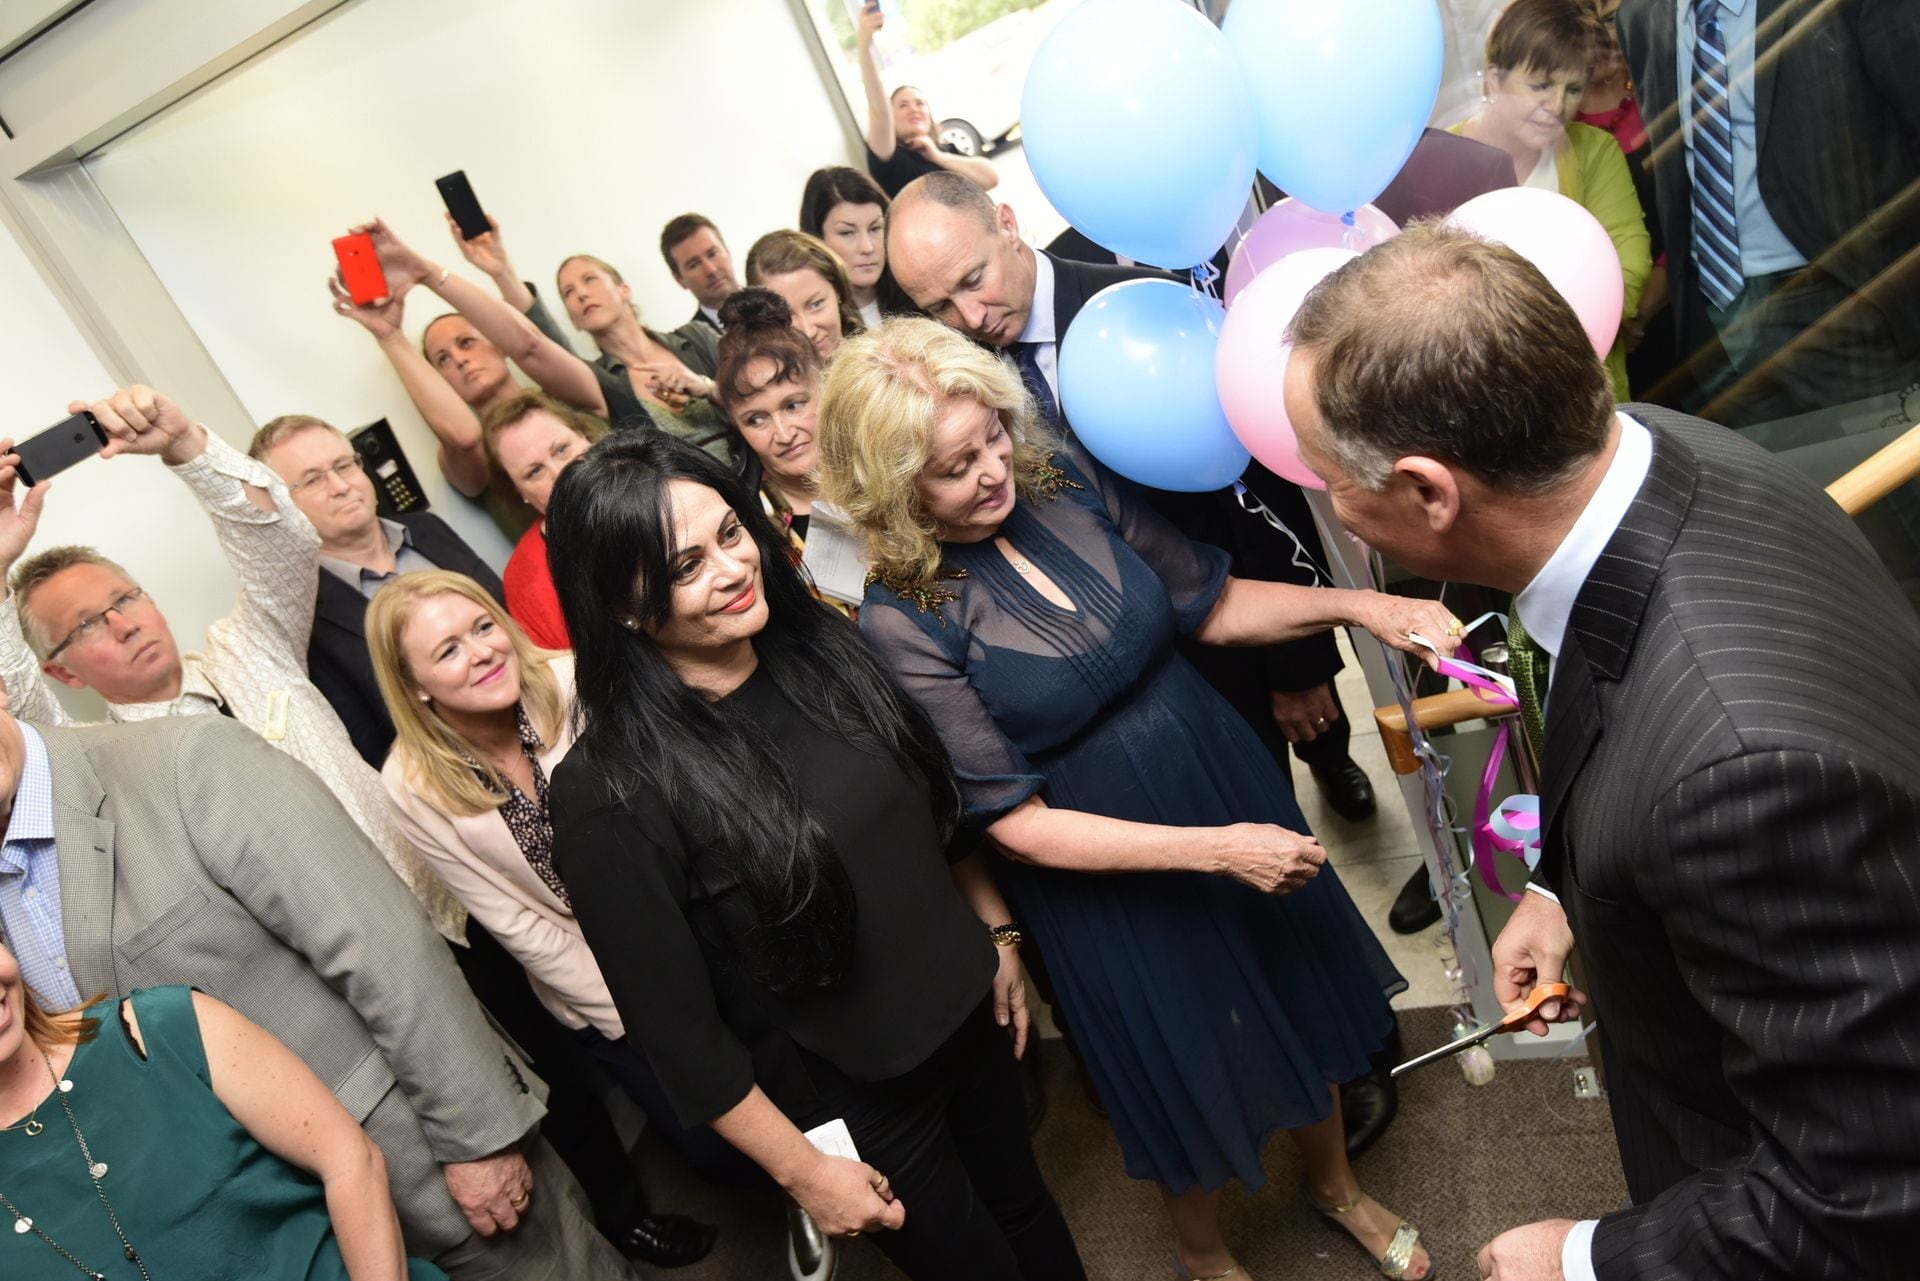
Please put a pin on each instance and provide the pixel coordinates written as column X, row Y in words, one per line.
column 1716, row 234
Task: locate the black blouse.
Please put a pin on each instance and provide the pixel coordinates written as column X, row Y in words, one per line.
column 902, row 167
column 666, row 922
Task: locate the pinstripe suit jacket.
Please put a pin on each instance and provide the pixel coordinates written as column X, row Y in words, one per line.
column 1732, row 800
column 191, row 851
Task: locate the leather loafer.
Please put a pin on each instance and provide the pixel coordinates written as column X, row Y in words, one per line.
column 810, row 1252
column 1369, row 1105
column 1348, row 791
column 665, row 1240
column 1414, row 907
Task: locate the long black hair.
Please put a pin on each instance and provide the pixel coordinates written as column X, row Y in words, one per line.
column 845, row 185
column 609, row 541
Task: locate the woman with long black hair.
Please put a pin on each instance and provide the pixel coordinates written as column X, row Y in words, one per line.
column 758, row 833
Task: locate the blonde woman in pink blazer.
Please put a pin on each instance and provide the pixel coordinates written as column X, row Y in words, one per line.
column 481, row 717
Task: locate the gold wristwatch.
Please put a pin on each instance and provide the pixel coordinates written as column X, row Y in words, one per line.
column 1008, row 935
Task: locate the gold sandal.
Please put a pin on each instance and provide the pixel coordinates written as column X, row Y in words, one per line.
column 1399, row 1256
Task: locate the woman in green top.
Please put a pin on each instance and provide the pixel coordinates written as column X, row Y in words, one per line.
column 1537, row 59
column 179, row 1139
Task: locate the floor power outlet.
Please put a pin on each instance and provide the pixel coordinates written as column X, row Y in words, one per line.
column 1586, row 1083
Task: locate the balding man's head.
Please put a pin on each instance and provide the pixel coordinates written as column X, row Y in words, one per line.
column 960, row 257
column 1442, row 344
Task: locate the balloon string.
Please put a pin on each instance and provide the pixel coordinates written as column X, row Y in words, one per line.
column 1302, row 558
column 1202, row 278
column 1347, row 229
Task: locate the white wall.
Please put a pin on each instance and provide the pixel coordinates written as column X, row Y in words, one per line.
column 583, row 126
column 128, row 508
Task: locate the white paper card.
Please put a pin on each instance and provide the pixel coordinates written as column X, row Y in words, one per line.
column 833, row 555
column 834, row 1139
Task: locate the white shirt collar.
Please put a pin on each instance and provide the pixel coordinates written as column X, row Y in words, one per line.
column 1546, row 603
column 1040, row 326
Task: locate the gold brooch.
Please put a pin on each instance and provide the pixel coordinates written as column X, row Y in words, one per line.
column 926, row 593
column 1050, row 480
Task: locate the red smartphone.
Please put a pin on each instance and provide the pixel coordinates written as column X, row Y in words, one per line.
column 360, row 268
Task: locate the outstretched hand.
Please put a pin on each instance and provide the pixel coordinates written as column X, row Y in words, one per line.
column 485, row 251
column 1394, row 620
column 403, row 267
column 19, row 513
column 381, row 319
column 140, row 420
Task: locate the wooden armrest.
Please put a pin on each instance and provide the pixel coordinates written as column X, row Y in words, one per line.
column 1435, row 711
column 1887, row 470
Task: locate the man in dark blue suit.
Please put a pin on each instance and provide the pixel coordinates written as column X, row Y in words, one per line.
column 1785, row 146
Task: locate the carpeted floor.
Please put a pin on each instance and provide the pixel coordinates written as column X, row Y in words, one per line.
column 1462, row 1163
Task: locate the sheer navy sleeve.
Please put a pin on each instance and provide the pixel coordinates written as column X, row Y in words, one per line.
column 1194, row 573
column 993, row 774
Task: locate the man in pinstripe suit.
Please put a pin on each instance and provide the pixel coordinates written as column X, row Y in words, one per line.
column 1731, row 783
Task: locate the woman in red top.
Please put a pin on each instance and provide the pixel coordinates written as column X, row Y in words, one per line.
column 530, row 440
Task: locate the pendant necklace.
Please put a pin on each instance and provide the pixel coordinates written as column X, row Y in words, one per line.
column 96, row 1171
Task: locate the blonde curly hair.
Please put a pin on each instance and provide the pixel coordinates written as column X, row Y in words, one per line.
column 883, row 396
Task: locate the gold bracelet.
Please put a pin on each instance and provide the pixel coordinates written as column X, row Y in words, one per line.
column 1008, row 935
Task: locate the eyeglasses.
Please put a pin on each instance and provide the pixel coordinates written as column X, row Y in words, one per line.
column 92, row 623
column 339, row 471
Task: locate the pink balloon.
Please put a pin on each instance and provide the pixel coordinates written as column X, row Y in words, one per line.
column 1250, row 363
column 1290, row 227
column 1568, row 244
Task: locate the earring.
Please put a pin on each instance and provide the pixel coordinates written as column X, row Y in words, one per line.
column 631, row 624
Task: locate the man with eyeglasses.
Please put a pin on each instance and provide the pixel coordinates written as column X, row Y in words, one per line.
column 360, row 552
column 92, row 627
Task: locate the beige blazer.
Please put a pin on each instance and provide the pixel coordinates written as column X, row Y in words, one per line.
column 481, row 863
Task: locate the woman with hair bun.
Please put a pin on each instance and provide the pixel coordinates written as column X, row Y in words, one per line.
column 768, row 384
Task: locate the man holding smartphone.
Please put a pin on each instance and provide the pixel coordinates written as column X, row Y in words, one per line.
column 83, row 621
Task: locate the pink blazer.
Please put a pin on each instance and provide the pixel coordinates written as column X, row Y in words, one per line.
column 481, row 863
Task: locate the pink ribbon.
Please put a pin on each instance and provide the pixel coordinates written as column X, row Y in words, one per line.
column 1512, row 827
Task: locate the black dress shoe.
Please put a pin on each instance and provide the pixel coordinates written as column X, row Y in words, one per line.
column 1369, row 1104
column 665, row 1240
column 1348, row 790
column 1414, row 908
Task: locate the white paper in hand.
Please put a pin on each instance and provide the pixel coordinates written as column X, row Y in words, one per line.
column 834, row 1139
column 834, row 556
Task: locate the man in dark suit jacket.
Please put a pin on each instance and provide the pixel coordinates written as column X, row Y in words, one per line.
column 1731, row 794
column 1825, row 118
column 359, row 552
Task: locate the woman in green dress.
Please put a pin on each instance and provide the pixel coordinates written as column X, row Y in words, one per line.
column 169, row 1136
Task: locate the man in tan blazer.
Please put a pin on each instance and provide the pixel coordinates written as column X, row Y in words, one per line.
column 188, row 850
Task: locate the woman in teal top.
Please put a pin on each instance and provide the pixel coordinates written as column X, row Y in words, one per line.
column 180, row 1140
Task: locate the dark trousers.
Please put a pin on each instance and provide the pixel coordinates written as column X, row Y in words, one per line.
column 951, row 1136
column 706, row 1153
column 577, row 1125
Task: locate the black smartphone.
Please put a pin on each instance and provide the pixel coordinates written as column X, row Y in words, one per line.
column 59, row 447
column 463, row 204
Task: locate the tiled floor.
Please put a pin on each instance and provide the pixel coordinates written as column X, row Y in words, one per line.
column 1376, row 857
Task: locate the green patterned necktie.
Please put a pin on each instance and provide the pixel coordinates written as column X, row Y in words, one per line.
column 1527, row 663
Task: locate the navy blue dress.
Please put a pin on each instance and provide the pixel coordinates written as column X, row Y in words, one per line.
column 1210, row 1015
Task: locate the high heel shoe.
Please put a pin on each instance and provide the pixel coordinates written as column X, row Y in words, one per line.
column 1180, row 1272
column 1399, row 1256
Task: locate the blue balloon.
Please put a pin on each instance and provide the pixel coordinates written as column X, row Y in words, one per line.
column 1136, row 382
column 1344, row 89
column 1140, row 128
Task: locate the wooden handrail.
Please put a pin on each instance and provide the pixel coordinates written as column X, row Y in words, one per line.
column 1435, row 711
column 1889, row 468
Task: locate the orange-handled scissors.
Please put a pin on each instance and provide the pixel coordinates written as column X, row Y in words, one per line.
column 1514, row 1021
